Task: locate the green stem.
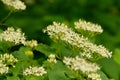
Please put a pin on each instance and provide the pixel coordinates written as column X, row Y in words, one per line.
column 6, row 17
column 59, row 50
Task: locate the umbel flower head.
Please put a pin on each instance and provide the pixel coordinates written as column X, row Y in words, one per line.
column 82, row 25
column 5, row 61
column 87, row 68
column 12, row 35
column 31, row 43
column 59, row 31
column 8, row 59
column 15, row 4
column 37, row 71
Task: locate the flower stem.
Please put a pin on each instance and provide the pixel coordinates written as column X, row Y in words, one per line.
column 6, row 17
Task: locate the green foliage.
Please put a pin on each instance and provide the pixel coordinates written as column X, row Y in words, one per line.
column 46, row 50
column 103, row 76
column 60, row 72
column 35, row 78
column 110, row 67
column 13, row 78
column 116, row 55
column 38, row 15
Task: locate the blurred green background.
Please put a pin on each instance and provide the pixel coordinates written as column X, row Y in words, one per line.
column 40, row 13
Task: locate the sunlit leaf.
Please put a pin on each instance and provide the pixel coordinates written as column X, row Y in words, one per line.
column 46, row 50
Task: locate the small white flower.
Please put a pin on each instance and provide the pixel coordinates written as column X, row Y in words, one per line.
column 31, row 43
column 8, row 59
column 94, row 76
column 5, row 60
column 51, row 58
column 67, row 61
column 78, row 63
column 12, row 35
column 88, row 26
column 15, row 4
column 87, row 68
column 3, row 68
column 59, row 31
column 37, row 71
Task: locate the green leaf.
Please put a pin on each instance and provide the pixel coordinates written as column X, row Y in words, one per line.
column 24, row 49
column 116, row 55
column 20, row 55
column 13, row 78
column 44, row 49
column 19, row 67
column 110, row 67
column 103, row 76
column 5, row 45
column 63, row 49
column 59, row 72
column 31, row 77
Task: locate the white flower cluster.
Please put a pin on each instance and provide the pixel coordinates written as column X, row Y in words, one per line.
column 87, row 68
column 94, row 76
column 5, row 60
column 88, row 26
column 3, row 68
column 12, row 35
column 15, row 4
column 37, row 71
column 8, row 59
column 90, row 47
column 59, row 31
column 52, row 58
column 17, row 37
column 31, row 43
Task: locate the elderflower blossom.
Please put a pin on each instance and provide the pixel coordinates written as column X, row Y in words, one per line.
column 94, row 76
column 88, row 26
column 15, row 4
column 8, row 59
column 87, row 68
column 59, row 31
column 3, row 68
column 31, row 43
column 37, row 71
column 96, row 49
column 78, row 63
column 12, row 35
column 51, row 58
